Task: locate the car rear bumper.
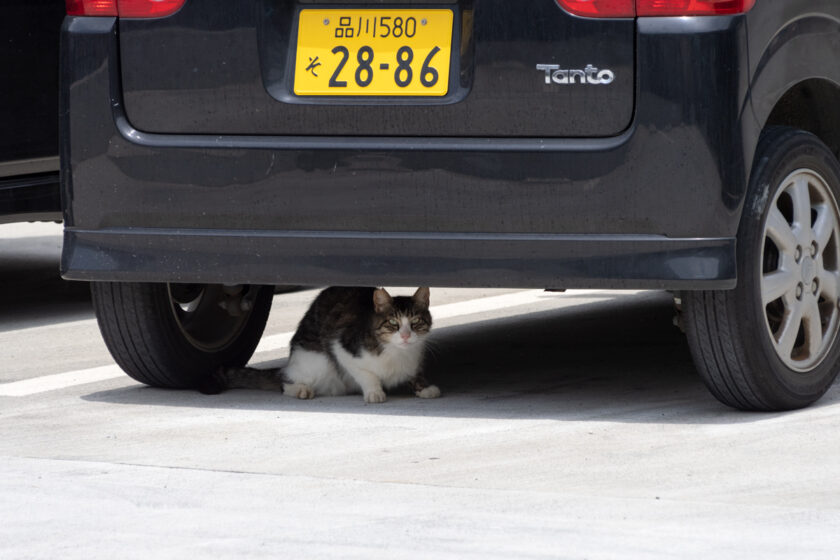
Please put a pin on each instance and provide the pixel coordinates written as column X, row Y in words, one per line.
column 313, row 258
column 655, row 207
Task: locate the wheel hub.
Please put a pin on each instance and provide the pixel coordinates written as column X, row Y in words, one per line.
column 808, row 271
column 210, row 316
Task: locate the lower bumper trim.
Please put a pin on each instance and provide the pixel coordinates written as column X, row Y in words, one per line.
column 399, row 259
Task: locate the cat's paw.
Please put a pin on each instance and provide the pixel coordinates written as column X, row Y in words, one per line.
column 430, row 392
column 375, row 396
column 299, row 390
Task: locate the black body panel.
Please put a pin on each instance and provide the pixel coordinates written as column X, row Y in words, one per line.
column 218, row 67
column 29, row 67
column 656, row 205
column 29, row 187
column 790, row 44
column 532, row 199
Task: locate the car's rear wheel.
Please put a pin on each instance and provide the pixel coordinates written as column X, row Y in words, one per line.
column 772, row 343
column 173, row 335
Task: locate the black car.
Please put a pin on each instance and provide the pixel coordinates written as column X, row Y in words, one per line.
column 29, row 164
column 212, row 149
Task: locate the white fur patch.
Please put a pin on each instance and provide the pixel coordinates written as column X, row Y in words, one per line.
column 430, row 392
column 375, row 396
column 313, row 373
column 314, row 370
column 394, row 366
column 298, row 390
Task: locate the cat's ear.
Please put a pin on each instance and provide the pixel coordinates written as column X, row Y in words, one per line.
column 382, row 300
column 421, row 297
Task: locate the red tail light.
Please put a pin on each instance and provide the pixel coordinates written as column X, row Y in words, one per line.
column 148, row 8
column 631, row 8
column 600, row 8
column 123, row 8
column 91, row 7
column 692, row 7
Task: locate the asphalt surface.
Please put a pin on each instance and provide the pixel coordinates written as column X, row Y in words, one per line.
column 572, row 425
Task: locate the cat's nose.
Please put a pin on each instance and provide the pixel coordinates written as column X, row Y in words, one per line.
column 405, row 335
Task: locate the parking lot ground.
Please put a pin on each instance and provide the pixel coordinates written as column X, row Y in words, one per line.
column 572, row 425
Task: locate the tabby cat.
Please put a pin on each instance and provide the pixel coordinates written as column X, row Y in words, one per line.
column 351, row 340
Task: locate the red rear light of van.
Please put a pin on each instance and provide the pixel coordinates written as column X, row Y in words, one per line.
column 600, row 8
column 148, row 8
column 123, row 8
column 91, row 7
column 692, row 7
column 631, row 8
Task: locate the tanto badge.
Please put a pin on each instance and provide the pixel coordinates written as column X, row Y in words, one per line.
column 589, row 75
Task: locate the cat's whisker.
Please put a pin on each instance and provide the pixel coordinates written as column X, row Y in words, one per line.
column 432, row 346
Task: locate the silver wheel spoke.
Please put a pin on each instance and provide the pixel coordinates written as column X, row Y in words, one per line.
column 779, row 231
column 801, row 202
column 776, row 284
column 828, row 285
column 789, row 330
column 825, row 226
column 813, row 329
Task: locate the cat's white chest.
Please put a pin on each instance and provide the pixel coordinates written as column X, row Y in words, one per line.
column 392, row 367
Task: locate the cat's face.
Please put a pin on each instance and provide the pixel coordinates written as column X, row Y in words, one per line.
column 402, row 321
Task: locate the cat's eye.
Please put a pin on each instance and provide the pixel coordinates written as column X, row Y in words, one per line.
column 393, row 322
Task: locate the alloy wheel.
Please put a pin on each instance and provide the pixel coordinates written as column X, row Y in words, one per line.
column 801, row 270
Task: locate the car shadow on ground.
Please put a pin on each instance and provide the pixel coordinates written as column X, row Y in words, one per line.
column 32, row 292
column 620, row 360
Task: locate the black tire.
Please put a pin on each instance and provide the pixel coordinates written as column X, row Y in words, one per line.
column 175, row 335
column 771, row 344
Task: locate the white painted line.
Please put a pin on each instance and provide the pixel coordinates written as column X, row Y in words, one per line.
column 447, row 311
column 274, row 342
column 46, row 383
column 492, row 303
column 279, row 341
column 20, row 230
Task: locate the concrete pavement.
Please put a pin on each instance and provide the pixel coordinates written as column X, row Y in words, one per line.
column 572, row 426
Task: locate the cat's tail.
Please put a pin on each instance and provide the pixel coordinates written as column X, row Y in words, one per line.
column 226, row 378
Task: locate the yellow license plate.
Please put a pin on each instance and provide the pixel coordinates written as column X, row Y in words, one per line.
column 373, row 52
